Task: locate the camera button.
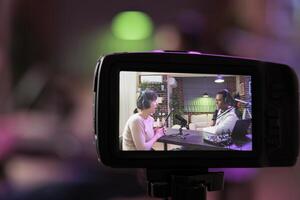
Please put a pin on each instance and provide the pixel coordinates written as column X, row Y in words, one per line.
column 273, row 112
column 158, row 189
column 274, row 142
column 277, row 91
column 273, row 133
column 273, row 123
column 273, row 139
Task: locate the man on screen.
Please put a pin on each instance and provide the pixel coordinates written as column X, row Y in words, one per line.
column 225, row 116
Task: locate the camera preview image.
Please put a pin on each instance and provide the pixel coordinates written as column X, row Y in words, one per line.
column 177, row 111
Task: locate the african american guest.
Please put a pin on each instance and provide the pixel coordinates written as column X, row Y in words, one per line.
column 225, row 116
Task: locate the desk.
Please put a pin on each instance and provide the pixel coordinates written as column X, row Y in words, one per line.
column 194, row 141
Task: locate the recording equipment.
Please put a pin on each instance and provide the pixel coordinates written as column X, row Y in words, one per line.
column 271, row 88
column 167, row 118
column 183, row 122
column 246, row 109
column 242, row 101
column 226, row 96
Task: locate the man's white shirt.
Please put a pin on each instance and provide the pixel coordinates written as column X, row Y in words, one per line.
column 225, row 122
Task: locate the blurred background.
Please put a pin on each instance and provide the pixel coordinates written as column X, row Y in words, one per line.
column 48, row 50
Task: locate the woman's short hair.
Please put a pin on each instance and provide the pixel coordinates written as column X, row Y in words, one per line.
column 145, row 99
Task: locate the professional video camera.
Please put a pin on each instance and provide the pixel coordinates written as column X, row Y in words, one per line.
column 258, row 129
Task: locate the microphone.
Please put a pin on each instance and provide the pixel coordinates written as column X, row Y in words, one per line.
column 181, row 119
column 172, row 110
column 244, row 102
column 166, row 120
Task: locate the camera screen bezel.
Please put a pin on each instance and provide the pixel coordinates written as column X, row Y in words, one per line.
column 108, row 85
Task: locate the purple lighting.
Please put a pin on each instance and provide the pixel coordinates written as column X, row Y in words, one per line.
column 157, row 51
column 236, row 175
column 194, row 52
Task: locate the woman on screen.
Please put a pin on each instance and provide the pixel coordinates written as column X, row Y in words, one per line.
column 139, row 133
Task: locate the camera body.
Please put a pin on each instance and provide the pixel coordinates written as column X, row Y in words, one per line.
column 274, row 107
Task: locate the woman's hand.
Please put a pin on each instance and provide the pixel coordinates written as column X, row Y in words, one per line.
column 159, row 132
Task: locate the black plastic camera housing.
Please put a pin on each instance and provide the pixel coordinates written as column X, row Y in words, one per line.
column 274, row 109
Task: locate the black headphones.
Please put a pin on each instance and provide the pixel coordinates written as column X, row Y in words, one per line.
column 226, row 96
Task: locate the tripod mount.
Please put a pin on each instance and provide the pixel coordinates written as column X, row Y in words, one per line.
column 180, row 134
column 183, row 184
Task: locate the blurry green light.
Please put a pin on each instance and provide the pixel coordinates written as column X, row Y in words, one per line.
column 132, row 25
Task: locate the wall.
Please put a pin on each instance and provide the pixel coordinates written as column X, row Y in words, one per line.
column 127, row 97
column 194, row 87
